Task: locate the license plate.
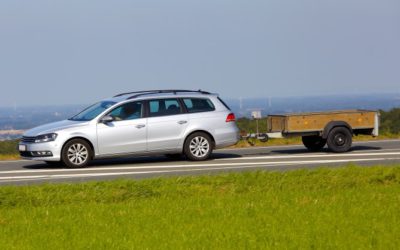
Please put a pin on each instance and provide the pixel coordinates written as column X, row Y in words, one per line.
column 22, row 147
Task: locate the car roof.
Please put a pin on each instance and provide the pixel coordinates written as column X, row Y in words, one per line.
column 152, row 95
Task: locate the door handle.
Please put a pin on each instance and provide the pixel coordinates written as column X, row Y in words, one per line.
column 182, row 122
column 140, row 126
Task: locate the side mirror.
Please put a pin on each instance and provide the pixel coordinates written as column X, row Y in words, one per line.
column 107, row 119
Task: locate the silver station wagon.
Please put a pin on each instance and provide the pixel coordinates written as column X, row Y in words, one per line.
column 169, row 122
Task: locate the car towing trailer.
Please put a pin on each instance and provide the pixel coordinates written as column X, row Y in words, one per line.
column 334, row 128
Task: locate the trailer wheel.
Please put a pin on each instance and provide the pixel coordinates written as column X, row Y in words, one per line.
column 314, row 142
column 340, row 139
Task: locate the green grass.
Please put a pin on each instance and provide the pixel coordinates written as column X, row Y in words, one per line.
column 343, row 208
column 8, row 147
column 8, row 150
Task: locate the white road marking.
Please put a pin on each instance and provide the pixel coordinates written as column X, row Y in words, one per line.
column 219, row 167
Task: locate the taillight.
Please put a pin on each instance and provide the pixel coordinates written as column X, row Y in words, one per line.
column 231, row 117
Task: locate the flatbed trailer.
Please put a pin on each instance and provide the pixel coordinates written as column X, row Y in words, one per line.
column 334, row 128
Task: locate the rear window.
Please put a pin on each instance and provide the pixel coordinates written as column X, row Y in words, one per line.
column 226, row 105
column 195, row 105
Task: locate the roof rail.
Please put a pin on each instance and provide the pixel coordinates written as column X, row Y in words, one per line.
column 148, row 92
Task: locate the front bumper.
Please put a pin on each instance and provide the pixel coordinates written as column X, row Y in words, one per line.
column 34, row 151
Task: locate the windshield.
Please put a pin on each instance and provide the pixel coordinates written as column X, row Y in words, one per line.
column 92, row 111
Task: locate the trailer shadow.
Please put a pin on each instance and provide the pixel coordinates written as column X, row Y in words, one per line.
column 324, row 150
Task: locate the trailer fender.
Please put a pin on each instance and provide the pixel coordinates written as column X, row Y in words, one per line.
column 334, row 124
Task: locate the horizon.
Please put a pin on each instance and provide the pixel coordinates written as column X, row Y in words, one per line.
column 383, row 94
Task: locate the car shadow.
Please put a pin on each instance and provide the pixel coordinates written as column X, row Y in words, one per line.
column 130, row 160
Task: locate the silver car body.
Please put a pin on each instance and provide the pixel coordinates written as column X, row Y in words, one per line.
column 142, row 136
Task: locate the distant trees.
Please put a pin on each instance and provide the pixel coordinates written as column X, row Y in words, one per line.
column 390, row 121
column 247, row 125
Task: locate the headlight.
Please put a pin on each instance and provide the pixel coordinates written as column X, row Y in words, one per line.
column 45, row 138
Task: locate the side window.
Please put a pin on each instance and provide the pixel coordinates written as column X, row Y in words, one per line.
column 127, row 111
column 194, row 105
column 164, row 107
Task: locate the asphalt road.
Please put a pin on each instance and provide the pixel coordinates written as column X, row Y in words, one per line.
column 268, row 158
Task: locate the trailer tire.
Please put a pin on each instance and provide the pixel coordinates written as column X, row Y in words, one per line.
column 340, row 139
column 314, row 142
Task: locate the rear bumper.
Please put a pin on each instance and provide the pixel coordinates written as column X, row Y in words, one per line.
column 227, row 137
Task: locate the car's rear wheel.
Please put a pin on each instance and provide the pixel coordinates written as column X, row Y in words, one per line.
column 76, row 153
column 198, row 146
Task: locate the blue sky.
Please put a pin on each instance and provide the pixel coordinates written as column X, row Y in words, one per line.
column 79, row 51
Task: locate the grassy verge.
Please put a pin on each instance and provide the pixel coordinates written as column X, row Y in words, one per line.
column 344, row 208
column 7, row 157
column 8, row 150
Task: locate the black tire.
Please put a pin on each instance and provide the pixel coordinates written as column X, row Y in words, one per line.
column 314, row 143
column 198, row 146
column 82, row 150
column 264, row 138
column 174, row 156
column 340, row 139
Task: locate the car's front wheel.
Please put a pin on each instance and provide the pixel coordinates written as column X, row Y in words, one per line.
column 198, row 146
column 76, row 153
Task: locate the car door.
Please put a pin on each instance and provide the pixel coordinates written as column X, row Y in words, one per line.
column 127, row 133
column 166, row 124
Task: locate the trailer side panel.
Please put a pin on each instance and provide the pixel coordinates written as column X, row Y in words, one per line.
column 316, row 122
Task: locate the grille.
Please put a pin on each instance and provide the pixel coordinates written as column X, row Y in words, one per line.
column 28, row 139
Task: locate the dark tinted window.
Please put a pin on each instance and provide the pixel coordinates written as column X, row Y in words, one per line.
column 194, row 105
column 164, row 107
column 127, row 111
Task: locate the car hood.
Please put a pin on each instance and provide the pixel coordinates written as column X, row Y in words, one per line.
column 54, row 127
